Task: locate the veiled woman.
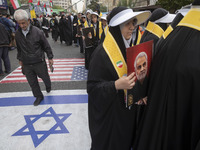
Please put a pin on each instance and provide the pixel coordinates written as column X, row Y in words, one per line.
column 111, row 124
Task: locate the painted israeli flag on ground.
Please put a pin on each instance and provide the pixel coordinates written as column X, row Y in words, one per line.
column 60, row 122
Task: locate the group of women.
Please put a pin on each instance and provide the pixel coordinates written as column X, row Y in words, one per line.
column 171, row 118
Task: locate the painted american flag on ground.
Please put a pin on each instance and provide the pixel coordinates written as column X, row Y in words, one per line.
column 67, row 69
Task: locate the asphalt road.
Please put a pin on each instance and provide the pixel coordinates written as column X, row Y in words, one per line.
column 59, row 51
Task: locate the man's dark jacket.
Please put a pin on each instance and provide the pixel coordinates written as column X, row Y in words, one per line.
column 4, row 38
column 32, row 47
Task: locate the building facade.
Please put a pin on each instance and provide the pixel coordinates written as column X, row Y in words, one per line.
column 143, row 3
column 65, row 4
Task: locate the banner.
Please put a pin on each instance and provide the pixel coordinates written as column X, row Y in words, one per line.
column 15, row 3
column 32, row 10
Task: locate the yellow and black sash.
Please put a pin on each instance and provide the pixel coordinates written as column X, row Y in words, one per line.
column 192, row 19
column 155, row 29
column 167, row 31
column 79, row 22
column 94, row 29
column 114, row 53
column 86, row 24
column 139, row 36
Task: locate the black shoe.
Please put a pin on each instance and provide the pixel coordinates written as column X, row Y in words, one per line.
column 38, row 100
column 48, row 90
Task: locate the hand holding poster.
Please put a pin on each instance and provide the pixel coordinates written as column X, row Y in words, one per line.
column 139, row 61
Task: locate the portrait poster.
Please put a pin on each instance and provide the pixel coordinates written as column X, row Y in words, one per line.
column 79, row 30
column 139, row 59
column 88, row 33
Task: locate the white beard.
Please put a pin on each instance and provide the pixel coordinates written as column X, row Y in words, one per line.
column 142, row 76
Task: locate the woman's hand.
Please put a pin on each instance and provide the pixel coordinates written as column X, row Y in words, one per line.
column 125, row 83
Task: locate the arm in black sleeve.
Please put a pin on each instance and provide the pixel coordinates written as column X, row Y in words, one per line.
column 18, row 48
column 45, row 45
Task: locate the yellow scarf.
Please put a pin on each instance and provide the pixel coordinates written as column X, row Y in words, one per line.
column 192, row 19
column 114, row 53
column 155, row 29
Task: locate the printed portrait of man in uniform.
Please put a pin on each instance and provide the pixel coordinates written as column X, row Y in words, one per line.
column 139, row 60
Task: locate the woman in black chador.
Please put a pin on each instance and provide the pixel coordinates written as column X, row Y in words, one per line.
column 156, row 28
column 172, row 117
column 111, row 124
column 54, row 28
column 63, row 28
column 75, row 24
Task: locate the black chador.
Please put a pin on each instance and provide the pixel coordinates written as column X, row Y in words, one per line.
column 155, row 29
column 172, row 117
column 64, row 30
column 90, row 50
column 111, row 125
column 55, row 29
column 69, row 31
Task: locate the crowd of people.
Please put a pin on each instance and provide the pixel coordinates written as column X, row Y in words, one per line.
column 167, row 118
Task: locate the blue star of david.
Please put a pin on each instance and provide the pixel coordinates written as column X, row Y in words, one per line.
column 34, row 134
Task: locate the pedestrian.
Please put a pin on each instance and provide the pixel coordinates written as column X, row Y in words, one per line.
column 69, row 30
column 88, row 17
column 172, row 117
column 89, row 50
column 31, row 45
column 157, row 25
column 75, row 25
column 111, row 124
column 54, row 27
column 4, row 53
column 45, row 25
column 63, row 29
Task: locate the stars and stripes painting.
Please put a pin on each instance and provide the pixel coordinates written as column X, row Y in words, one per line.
column 67, row 69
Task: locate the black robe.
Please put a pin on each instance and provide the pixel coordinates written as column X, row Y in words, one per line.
column 111, row 124
column 55, row 29
column 75, row 24
column 172, row 116
column 69, row 31
column 64, row 33
column 90, row 50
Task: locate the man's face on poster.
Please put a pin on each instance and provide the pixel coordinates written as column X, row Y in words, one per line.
column 141, row 67
column 90, row 35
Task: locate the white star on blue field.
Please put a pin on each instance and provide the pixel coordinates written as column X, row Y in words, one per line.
column 58, row 128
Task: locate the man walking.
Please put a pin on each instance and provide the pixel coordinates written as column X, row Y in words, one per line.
column 31, row 45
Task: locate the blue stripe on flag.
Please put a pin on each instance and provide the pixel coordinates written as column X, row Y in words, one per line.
column 60, row 99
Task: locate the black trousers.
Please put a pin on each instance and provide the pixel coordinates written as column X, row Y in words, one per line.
column 37, row 70
column 5, row 57
column 81, row 44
